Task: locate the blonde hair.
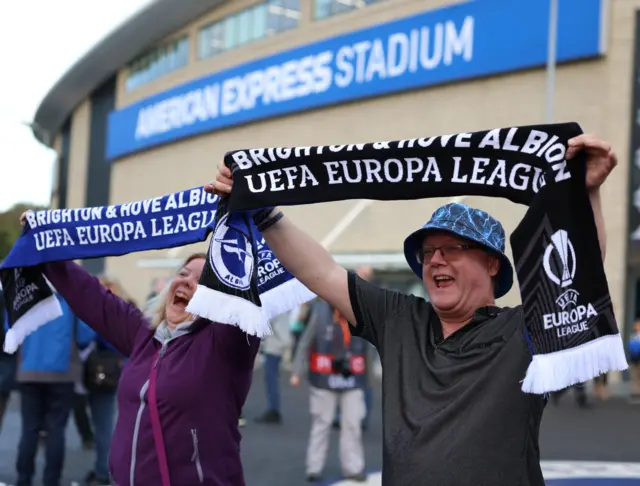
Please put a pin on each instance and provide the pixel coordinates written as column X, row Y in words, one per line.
column 157, row 307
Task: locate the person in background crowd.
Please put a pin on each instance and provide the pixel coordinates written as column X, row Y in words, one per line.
column 337, row 375
column 366, row 273
column 579, row 393
column 273, row 348
column 601, row 386
column 48, row 368
column 634, row 358
column 156, row 288
column 182, row 391
column 81, row 415
column 8, row 363
column 299, row 319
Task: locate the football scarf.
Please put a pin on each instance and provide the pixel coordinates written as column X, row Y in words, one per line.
column 237, row 252
column 568, row 312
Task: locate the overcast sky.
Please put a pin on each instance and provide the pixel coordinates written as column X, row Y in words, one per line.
column 39, row 41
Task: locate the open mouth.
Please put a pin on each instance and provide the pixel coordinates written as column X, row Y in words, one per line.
column 443, row 281
column 180, row 299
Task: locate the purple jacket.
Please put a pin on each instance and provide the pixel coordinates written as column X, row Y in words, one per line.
column 203, row 378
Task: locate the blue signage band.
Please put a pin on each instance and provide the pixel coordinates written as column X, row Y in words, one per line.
column 463, row 41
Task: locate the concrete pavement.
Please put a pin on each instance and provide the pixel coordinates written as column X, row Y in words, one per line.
column 274, row 455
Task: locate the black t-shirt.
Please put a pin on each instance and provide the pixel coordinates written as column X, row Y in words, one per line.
column 453, row 410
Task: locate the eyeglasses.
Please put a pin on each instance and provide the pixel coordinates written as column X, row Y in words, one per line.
column 449, row 252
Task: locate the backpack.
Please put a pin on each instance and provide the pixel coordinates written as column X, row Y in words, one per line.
column 102, row 367
column 102, row 370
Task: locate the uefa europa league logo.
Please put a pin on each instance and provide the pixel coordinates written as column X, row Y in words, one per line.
column 565, row 255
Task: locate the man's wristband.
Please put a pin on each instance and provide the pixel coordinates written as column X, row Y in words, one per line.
column 265, row 217
column 260, row 215
column 270, row 221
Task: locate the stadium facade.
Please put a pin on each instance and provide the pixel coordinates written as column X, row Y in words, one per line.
column 153, row 107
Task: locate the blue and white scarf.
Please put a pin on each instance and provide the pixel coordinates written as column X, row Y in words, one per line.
column 238, row 255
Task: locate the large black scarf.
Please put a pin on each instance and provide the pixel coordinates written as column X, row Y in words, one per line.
column 567, row 307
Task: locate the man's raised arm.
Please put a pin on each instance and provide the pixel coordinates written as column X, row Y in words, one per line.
column 310, row 263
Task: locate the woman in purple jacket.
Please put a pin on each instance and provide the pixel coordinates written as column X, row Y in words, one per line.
column 183, row 388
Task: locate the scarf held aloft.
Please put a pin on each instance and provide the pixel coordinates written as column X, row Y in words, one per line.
column 170, row 221
column 570, row 323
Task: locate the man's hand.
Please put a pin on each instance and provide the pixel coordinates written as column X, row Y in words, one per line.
column 601, row 159
column 294, row 380
column 223, row 182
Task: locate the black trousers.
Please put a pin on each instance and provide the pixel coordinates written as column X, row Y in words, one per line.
column 44, row 407
column 4, row 402
column 81, row 418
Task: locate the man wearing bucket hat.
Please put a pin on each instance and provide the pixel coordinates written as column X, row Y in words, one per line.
column 475, row 230
column 454, row 413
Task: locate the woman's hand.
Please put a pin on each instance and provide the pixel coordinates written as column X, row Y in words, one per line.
column 223, row 182
column 23, row 218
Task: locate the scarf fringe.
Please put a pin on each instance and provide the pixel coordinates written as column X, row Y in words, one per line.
column 40, row 314
column 556, row 371
column 285, row 297
column 229, row 309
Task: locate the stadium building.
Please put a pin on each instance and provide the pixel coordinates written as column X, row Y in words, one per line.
column 152, row 108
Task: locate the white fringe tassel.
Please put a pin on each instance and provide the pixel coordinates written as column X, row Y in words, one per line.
column 43, row 312
column 556, row 371
column 285, row 297
column 252, row 319
column 229, row 309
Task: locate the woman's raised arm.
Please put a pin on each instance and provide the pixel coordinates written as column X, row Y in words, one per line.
column 111, row 317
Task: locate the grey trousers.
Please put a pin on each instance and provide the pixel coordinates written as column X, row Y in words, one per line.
column 323, row 408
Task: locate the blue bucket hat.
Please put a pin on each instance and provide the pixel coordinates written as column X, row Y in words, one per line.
column 471, row 224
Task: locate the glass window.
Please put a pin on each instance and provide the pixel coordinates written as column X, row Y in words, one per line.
column 204, row 43
column 182, row 53
column 282, row 15
column 253, row 23
column 157, row 63
column 217, row 38
column 322, row 9
column 342, row 6
column 244, row 26
column 291, row 14
column 274, row 8
column 230, row 32
column 328, row 8
column 259, row 26
column 211, row 40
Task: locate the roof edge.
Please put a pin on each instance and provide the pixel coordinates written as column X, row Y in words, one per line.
column 152, row 23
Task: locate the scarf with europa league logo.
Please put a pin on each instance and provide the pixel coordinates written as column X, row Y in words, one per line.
column 570, row 323
column 238, row 258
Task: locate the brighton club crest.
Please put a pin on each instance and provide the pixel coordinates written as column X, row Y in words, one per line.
column 230, row 256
